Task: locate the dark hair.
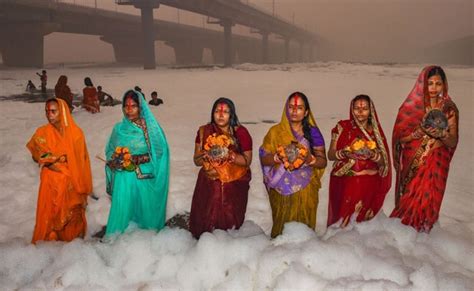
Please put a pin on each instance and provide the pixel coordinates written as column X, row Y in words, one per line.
column 137, row 89
column 436, row 70
column 99, row 87
column 132, row 95
column 88, row 81
column 306, row 125
column 154, row 93
column 233, row 119
column 49, row 100
column 43, row 71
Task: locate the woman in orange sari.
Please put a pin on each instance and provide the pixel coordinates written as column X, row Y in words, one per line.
column 424, row 140
column 361, row 174
column 91, row 98
column 61, row 152
column 221, row 192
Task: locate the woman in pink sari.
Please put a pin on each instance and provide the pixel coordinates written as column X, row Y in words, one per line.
column 359, row 180
column 423, row 146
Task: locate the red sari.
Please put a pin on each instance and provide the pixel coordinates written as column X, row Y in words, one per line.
column 423, row 163
column 91, row 99
column 351, row 189
column 217, row 204
column 62, row 198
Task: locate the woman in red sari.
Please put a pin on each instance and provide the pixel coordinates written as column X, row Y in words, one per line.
column 361, row 178
column 61, row 152
column 423, row 149
column 91, row 98
column 221, row 192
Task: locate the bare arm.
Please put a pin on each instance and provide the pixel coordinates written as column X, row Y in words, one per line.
column 318, row 159
column 244, row 159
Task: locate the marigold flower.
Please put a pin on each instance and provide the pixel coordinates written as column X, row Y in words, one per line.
column 127, row 157
column 118, row 150
column 371, row 144
column 125, row 150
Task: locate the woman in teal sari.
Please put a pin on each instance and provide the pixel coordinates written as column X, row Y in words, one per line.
column 137, row 168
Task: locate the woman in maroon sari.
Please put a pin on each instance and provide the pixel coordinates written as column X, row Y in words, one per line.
column 62, row 91
column 361, row 174
column 221, row 192
column 425, row 137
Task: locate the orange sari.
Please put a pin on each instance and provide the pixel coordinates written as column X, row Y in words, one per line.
column 62, row 197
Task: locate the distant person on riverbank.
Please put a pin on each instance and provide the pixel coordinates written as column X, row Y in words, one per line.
column 90, row 99
column 105, row 99
column 62, row 91
column 30, row 87
column 44, row 80
column 154, row 99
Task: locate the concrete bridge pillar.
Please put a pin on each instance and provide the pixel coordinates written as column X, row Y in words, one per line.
column 127, row 49
column 228, row 55
column 187, row 51
column 23, row 44
column 301, row 54
column 287, row 50
column 311, row 53
column 264, row 47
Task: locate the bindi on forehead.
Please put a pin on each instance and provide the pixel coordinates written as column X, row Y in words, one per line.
column 130, row 102
column 221, row 107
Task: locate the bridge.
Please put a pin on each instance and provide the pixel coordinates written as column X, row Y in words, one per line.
column 24, row 23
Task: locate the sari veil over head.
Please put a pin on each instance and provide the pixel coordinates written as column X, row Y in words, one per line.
column 410, row 115
column 422, row 165
column 62, row 197
column 153, row 192
column 283, row 134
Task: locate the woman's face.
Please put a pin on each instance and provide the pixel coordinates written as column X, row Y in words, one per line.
column 435, row 86
column 222, row 115
column 296, row 109
column 52, row 113
column 361, row 110
column 132, row 112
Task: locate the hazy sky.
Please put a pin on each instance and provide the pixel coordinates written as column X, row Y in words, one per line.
column 370, row 30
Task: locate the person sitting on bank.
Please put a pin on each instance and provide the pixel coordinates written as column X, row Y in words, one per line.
column 105, row 99
column 30, row 87
column 154, row 99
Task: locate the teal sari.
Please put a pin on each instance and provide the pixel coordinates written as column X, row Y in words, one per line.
column 138, row 197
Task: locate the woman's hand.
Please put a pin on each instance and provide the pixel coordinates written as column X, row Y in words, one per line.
column 418, row 133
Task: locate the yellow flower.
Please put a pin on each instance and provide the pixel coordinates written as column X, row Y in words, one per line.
column 357, row 145
column 125, row 150
column 118, row 150
column 126, row 163
column 127, row 156
column 371, row 144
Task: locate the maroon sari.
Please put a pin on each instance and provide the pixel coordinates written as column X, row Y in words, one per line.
column 422, row 165
column 217, row 204
column 350, row 190
column 62, row 91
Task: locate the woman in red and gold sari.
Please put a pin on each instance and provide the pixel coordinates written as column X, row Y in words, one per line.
column 361, row 174
column 221, row 192
column 425, row 137
column 61, row 152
